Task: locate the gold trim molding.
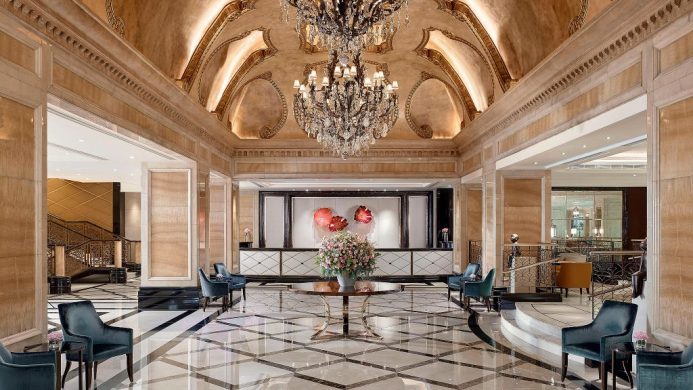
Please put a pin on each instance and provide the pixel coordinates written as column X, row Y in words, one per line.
column 269, row 132
column 424, row 131
column 320, row 153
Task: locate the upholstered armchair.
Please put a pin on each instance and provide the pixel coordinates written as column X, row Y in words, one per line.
column 27, row 371
column 481, row 290
column 235, row 281
column 213, row 289
column 81, row 323
column 665, row 370
column 595, row 341
column 456, row 282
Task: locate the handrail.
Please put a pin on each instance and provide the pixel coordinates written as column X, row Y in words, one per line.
column 612, row 290
column 529, row 266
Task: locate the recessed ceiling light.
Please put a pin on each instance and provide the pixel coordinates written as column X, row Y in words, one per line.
column 536, row 162
column 132, row 174
column 79, row 174
column 81, row 140
column 563, row 154
column 132, row 157
column 635, row 174
column 584, row 146
column 608, row 138
column 57, row 169
column 115, row 170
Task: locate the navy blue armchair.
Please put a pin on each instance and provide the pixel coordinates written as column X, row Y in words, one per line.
column 481, row 290
column 456, row 282
column 213, row 289
column 27, row 371
column 613, row 325
column 235, row 281
column 665, row 370
column 81, row 323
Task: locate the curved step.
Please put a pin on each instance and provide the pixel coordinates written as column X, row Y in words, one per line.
column 532, row 340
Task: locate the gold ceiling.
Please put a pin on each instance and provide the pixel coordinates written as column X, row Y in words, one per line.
column 238, row 59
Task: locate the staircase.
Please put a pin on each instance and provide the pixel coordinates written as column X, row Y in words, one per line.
column 89, row 248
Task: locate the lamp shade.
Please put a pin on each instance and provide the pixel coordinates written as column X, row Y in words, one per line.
column 363, row 215
column 323, row 217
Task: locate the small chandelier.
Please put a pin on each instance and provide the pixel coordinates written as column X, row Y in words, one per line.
column 346, row 25
column 347, row 111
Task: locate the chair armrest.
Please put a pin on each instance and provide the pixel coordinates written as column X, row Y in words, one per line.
column 34, row 376
column 29, row 358
column 657, row 376
column 86, row 340
column 472, row 289
column 241, row 278
column 454, row 279
column 608, row 342
column 660, row 358
column 577, row 335
column 118, row 335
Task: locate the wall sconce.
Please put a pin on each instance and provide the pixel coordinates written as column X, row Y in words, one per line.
column 553, row 230
column 573, row 232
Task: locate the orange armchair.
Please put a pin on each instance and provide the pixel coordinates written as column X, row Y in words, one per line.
column 573, row 275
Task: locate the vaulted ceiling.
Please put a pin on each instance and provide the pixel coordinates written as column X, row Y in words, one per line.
column 238, row 59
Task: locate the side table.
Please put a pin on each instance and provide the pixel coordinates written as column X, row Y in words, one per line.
column 624, row 352
column 66, row 347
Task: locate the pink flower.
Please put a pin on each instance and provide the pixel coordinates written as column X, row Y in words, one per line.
column 640, row 335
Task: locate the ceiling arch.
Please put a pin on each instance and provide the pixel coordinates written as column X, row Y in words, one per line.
column 258, row 109
column 433, row 108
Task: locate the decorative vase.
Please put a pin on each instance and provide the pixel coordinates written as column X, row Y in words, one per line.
column 345, row 280
column 54, row 345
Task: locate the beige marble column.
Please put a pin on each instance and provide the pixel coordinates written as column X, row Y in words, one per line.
column 235, row 233
column 219, row 220
column 117, row 255
column 59, row 260
column 169, row 225
column 203, row 218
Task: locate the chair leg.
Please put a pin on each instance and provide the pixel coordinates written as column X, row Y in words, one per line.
column 129, row 360
column 243, row 294
column 230, row 298
column 448, row 294
column 564, row 366
column 566, row 293
column 204, row 303
column 604, row 374
column 580, row 290
column 96, row 367
column 89, row 367
column 67, row 368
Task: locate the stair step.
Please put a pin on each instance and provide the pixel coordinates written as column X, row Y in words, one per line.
column 533, row 341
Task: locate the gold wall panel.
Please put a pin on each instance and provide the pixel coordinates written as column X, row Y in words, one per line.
column 616, row 85
column 676, row 52
column 474, row 215
column 522, row 210
column 17, row 218
column 169, row 213
column 17, row 52
column 75, row 201
column 676, row 218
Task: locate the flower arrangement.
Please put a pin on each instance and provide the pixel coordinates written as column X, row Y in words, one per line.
column 347, row 254
column 640, row 337
column 55, row 338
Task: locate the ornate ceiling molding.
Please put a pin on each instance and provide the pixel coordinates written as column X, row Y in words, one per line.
column 62, row 36
column 114, row 20
column 640, row 32
column 269, row 132
column 463, row 13
column 319, row 153
column 421, row 50
column 579, row 20
column 438, row 59
column 253, row 60
column 310, row 48
column 230, row 13
column 424, row 131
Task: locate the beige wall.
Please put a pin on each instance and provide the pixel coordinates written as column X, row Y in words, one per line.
column 218, row 220
column 248, row 214
column 522, row 210
column 473, row 214
column 77, row 201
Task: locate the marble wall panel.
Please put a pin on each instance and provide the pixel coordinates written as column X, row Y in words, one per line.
column 471, row 164
column 676, row 219
column 522, row 209
column 217, row 221
column 169, row 224
column 17, row 52
column 474, row 214
column 676, row 52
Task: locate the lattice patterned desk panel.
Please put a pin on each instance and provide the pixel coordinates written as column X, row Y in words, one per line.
column 299, row 263
column 260, row 262
column 393, row 263
column 432, row 262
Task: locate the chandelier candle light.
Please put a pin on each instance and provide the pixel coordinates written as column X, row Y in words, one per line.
column 347, row 111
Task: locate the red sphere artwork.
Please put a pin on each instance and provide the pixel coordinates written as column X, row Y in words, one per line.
column 363, row 215
column 338, row 223
column 323, row 217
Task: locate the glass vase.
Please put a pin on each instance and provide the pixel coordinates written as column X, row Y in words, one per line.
column 345, row 280
column 640, row 344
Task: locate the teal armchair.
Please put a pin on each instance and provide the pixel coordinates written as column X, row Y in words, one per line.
column 613, row 325
column 665, row 370
column 212, row 289
column 27, row 371
column 81, row 323
column 456, row 282
column 235, row 281
column 481, row 290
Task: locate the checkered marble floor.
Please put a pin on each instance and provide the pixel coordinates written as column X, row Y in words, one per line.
column 264, row 343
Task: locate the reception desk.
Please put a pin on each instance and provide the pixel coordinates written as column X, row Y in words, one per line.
column 290, row 263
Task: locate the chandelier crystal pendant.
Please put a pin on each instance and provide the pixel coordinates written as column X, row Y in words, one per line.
column 347, row 111
column 346, row 25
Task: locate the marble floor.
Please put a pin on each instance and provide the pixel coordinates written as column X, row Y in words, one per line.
column 264, row 343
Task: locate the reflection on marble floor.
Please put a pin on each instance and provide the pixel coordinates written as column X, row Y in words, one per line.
column 264, row 343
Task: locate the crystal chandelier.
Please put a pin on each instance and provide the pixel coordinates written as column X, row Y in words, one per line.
column 346, row 25
column 347, row 111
